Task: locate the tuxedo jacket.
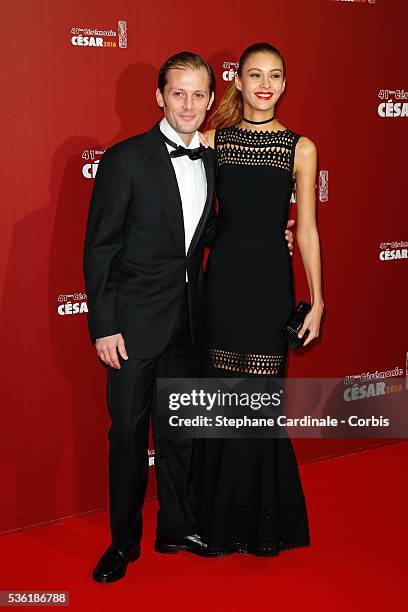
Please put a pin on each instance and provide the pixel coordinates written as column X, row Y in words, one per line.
column 135, row 259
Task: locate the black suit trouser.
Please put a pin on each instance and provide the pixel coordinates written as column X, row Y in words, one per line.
column 131, row 402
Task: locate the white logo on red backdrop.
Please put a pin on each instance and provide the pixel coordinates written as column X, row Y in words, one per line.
column 406, row 371
column 72, row 304
column 357, row 1
column 229, row 70
column 150, row 454
column 370, row 376
column 393, row 250
column 373, row 384
column 393, row 104
column 94, row 37
column 92, row 158
column 323, row 185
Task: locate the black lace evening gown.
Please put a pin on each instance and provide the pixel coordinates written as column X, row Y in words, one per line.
column 250, row 497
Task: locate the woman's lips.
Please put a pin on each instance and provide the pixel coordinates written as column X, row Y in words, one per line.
column 263, row 95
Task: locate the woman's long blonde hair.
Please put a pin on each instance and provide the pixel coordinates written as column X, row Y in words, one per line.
column 229, row 111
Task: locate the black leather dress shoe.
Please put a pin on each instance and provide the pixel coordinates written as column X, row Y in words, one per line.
column 191, row 543
column 113, row 563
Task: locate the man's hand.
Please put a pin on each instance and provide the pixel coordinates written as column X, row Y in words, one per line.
column 289, row 236
column 107, row 347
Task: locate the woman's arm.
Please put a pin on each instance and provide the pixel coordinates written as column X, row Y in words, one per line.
column 307, row 236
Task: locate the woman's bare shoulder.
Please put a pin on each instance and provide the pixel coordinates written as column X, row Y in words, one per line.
column 306, row 147
column 210, row 135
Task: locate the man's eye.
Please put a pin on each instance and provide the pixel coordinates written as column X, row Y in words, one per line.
column 177, row 93
column 200, row 95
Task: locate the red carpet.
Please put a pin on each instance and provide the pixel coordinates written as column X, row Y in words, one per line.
column 357, row 508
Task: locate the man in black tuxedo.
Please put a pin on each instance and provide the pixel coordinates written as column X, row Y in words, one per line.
column 151, row 214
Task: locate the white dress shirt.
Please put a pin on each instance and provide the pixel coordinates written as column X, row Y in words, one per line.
column 191, row 180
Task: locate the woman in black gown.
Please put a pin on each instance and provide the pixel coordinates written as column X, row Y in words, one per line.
column 250, row 497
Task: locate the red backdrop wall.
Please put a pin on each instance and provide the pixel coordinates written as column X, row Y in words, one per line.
column 63, row 102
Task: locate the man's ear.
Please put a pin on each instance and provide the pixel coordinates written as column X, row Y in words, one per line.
column 211, row 101
column 159, row 98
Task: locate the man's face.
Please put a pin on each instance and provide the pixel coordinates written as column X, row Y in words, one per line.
column 185, row 100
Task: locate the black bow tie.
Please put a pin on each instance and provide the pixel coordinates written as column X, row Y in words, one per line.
column 179, row 151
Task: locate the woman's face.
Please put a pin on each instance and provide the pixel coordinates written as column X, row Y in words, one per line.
column 261, row 81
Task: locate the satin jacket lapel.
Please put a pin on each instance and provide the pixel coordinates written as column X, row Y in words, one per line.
column 209, row 172
column 158, row 159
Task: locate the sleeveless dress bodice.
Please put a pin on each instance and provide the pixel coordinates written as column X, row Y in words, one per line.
column 249, row 276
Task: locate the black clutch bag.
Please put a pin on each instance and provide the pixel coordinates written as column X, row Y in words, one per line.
column 294, row 325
